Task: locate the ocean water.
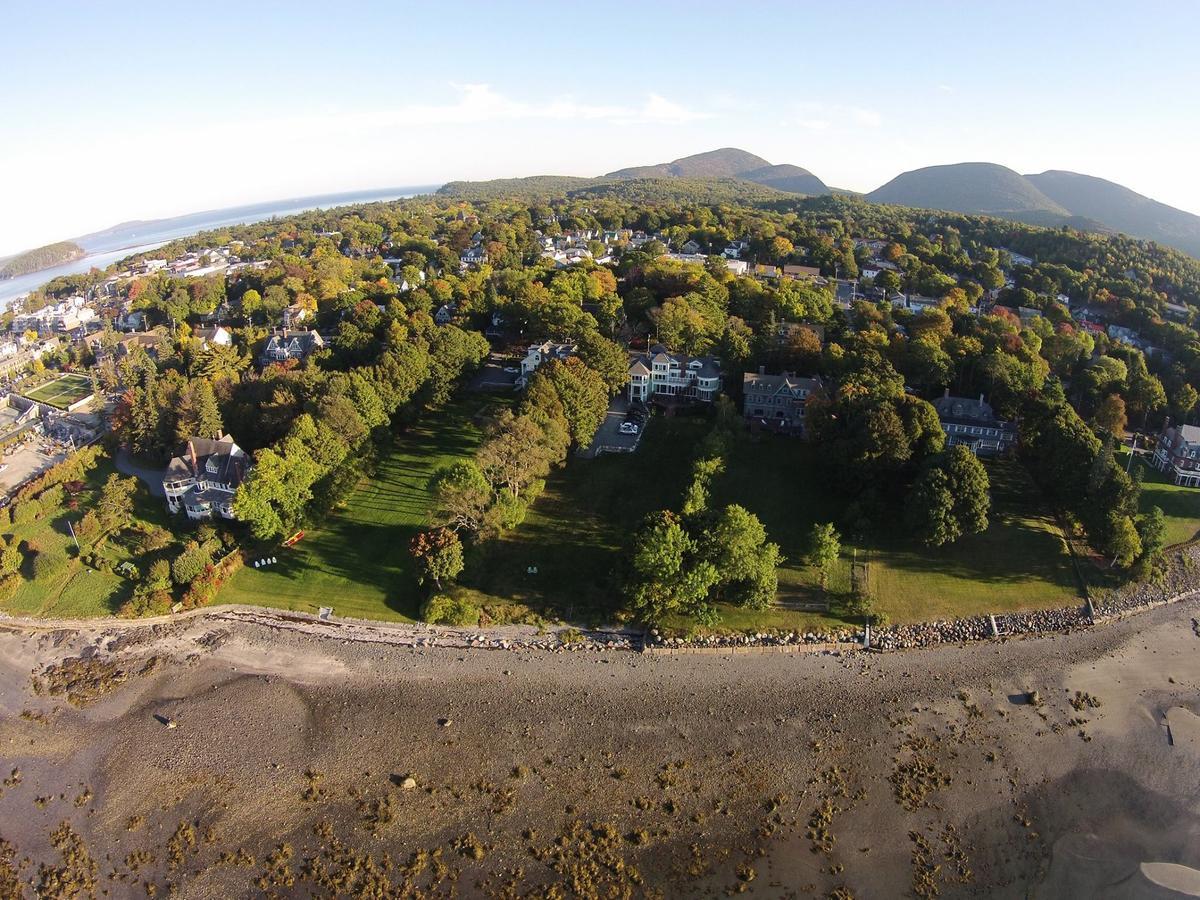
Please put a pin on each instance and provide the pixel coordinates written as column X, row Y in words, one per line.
column 113, row 244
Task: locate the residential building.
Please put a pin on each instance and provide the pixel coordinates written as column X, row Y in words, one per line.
column 765, row 271
column 539, row 353
column 215, row 336
column 660, row 373
column 1177, row 312
column 1176, row 455
column 293, row 316
column 803, row 272
column 473, row 256
column 445, row 314
column 973, row 424
column 204, row 478
column 296, row 345
column 776, row 402
column 691, row 247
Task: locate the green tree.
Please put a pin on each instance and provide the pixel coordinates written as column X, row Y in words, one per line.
column 1110, row 415
column 667, row 572
column 583, row 394
column 949, row 498
column 606, row 358
column 115, row 505
column 824, row 548
column 463, row 495
column 1152, row 534
column 439, row 555
column 745, row 561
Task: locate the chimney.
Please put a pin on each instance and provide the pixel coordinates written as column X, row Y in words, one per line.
column 192, row 456
column 981, row 399
column 947, row 394
column 762, row 370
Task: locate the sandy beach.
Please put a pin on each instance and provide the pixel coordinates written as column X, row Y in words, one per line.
column 211, row 757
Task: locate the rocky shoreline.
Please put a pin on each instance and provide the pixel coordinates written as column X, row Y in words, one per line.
column 1180, row 578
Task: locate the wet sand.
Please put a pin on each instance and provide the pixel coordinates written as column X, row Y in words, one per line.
column 301, row 765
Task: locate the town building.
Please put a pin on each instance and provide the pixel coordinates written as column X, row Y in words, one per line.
column 776, row 402
column 204, row 478
column 1176, row 454
column 298, row 345
column 973, row 424
column 215, row 336
column 539, row 353
column 661, row 374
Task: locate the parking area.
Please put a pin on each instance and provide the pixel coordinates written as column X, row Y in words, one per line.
column 610, row 438
column 26, row 461
column 499, row 373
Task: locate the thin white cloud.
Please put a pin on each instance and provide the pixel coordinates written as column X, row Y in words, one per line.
column 479, row 103
column 827, row 116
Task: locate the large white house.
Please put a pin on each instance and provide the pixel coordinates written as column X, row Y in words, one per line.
column 204, row 479
column 539, row 353
column 661, row 373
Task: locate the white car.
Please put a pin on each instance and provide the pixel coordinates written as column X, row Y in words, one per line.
column 511, row 370
column 628, row 428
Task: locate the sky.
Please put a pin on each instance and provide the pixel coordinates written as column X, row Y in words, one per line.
column 127, row 110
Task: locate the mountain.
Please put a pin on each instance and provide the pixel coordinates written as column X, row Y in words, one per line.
column 792, row 179
column 1121, row 209
column 977, row 188
column 730, row 162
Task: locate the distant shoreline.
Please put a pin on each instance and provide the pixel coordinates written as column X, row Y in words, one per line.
column 113, row 244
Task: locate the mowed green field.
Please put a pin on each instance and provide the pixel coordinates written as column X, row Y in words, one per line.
column 62, row 391
column 578, row 530
column 1180, row 505
column 357, row 560
column 73, row 590
column 1020, row 562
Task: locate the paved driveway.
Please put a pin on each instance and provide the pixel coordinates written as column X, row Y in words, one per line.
column 492, row 376
column 609, row 438
column 151, row 477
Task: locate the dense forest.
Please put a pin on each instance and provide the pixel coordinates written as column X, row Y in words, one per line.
column 992, row 327
column 41, row 258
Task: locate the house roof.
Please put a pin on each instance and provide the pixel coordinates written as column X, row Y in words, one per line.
column 760, row 383
column 229, row 458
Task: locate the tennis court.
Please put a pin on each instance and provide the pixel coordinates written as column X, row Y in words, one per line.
column 62, row 392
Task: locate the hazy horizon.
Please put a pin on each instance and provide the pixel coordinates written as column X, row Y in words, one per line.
column 226, row 118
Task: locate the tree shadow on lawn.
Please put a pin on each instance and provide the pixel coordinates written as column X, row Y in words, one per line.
column 1011, row 552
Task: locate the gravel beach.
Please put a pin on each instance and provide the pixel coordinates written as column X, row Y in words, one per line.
column 245, row 756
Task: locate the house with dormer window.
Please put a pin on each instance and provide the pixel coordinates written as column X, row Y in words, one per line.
column 204, row 478
column 777, row 402
column 1178, row 454
column 661, row 374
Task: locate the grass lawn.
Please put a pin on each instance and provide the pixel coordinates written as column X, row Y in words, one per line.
column 1180, row 505
column 357, row 560
column 577, row 530
column 62, row 391
column 1020, row 562
column 74, row 590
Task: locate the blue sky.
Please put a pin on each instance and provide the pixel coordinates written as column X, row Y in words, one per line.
column 121, row 110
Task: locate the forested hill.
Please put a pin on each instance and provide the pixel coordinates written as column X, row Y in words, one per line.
column 724, row 170
column 976, row 188
column 41, row 258
column 1121, row 209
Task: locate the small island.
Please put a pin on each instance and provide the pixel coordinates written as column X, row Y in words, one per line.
column 42, row 258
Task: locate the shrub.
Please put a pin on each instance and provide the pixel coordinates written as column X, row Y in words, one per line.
column 26, row 511
column 442, row 609
column 146, row 603
column 190, row 563
column 46, row 563
column 52, row 497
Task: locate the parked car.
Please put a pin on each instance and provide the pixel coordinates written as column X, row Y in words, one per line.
column 511, row 370
column 628, row 428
